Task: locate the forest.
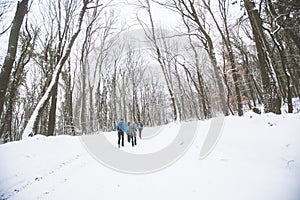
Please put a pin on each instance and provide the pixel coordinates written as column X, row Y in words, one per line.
column 77, row 66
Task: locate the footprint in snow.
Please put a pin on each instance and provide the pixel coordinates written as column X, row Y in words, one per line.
column 272, row 124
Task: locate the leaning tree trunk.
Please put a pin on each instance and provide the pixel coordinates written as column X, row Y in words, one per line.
column 44, row 100
column 11, row 50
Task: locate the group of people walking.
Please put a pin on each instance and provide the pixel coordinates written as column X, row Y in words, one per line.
column 130, row 129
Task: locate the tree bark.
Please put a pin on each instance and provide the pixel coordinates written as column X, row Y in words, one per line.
column 227, row 42
column 52, row 112
column 83, row 99
column 283, row 57
column 44, row 100
column 11, row 50
column 271, row 98
column 159, row 59
column 208, row 46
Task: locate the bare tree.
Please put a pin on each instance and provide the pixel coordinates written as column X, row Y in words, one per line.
column 279, row 35
column 249, row 64
column 195, row 22
column 42, row 103
column 105, row 74
column 271, row 97
column 68, row 125
column 134, row 70
column 5, row 73
column 223, row 7
column 85, row 65
column 153, row 38
column 4, row 10
column 63, row 13
column 28, row 38
column 198, row 80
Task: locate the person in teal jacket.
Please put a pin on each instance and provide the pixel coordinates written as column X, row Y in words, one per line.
column 120, row 127
column 127, row 131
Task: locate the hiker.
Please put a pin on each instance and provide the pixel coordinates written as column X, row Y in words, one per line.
column 140, row 128
column 127, row 129
column 133, row 130
column 120, row 128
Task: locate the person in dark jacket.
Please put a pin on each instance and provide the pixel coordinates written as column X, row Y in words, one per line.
column 140, row 128
column 120, row 128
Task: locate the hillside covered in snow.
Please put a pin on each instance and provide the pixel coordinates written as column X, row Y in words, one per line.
column 255, row 157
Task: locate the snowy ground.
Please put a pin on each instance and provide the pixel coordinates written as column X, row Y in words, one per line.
column 256, row 158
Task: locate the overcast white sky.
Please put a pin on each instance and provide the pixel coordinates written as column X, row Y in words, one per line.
column 127, row 11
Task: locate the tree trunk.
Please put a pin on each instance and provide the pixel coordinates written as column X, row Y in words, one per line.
column 13, row 87
column 83, row 100
column 11, row 50
column 159, row 59
column 181, row 103
column 271, row 98
column 44, row 100
column 91, row 110
column 114, row 95
column 283, row 57
column 69, row 101
column 226, row 40
column 52, row 113
column 209, row 47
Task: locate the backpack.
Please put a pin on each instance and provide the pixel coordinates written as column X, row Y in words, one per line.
column 140, row 125
column 120, row 125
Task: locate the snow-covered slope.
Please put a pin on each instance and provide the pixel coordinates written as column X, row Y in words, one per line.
column 257, row 157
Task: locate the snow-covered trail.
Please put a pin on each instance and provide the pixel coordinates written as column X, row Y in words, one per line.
column 257, row 157
column 103, row 148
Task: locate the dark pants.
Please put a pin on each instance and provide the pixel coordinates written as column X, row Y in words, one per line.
column 140, row 132
column 128, row 137
column 120, row 138
column 133, row 138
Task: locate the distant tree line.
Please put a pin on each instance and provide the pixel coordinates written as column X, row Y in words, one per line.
column 70, row 67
